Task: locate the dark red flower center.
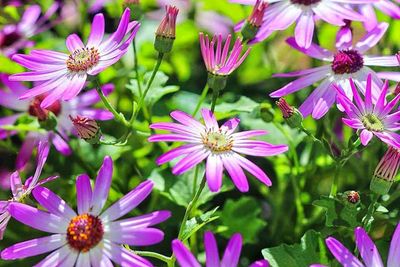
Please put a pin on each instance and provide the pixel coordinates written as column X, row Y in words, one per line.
column 43, row 113
column 305, row 2
column 7, row 40
column 84, row 232
column 347, row 62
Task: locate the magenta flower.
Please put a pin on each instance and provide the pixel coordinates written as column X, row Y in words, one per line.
column 168, row 23
column 80, row 105
column 15, row 36
column 217, row 61
column 371, row 118
column 347, row 62
column 368, row 251
column 221, row 146
column 231, row 255
column 386, row 6
column 63, row 76
column 90, row 237
column 281, row 14
column 20, row 190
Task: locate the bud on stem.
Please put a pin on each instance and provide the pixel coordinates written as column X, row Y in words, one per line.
column 385, row 172
column 292, row 115
column 87, row 129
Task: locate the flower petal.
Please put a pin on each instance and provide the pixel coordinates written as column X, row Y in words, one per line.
column 210, row 245
column 342, row 254
column 367, row 248
column 232, row 251
column 83, row 193
column 102, row 186
column 183, row 255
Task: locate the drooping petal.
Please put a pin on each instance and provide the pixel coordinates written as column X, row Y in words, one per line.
column 367, row 248
column 124, row 257
column 183, row 255
column 214, row 170
column 342, row 254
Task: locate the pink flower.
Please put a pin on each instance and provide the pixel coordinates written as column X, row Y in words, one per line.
column 281, row 14
column 90, row 236
column 22, row 190
column 220, row 146
column 367, row 249
column 386, row 6
column 80, row 105
column 15, row 36
column 347, row 62
column 369, row 118
column 230, row 259
column 219, row 61
column 63, row 76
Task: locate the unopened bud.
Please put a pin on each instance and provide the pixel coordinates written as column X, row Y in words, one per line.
column 216, row 82
column 292, row 115
column 267, row 112
column 134, row 6
column 385, row 172
column 87, row 129
column 254, row 21
column 351, row 198
column 165, row 34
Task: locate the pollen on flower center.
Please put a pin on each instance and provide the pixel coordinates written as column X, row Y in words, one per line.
column 217, row 141
column 372, row 123
column 84, row 232
column 305, row 2
column 83, row 59
column 347, row 62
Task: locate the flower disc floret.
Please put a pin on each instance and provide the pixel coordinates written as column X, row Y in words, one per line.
column 84, row 232
column 217, row 141
column 83, row 59
column 347, row 62
column 372, row 122
column 305, row 2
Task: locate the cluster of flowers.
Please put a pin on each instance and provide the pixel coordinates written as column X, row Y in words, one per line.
column 90, row 237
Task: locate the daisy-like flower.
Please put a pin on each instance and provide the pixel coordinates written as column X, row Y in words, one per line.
column 21, row 191
column 231, row 255
column 89, row 237
column 219, row 61
column 369, row 118
column 367, row 249
column 63, row 76
column 220, row 145
column 281, row 14
column 15, row 36
column 388, row 7
column 347, row 62
column 80, row 105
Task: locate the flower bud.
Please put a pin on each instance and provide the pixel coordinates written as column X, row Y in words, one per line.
column 165, row 34
column 351, row 198
column 385, row 172
column 292, row 115
column 217, row 82
column 266, row 112
column 134, row 6
column 254, row 21
column 87, row 129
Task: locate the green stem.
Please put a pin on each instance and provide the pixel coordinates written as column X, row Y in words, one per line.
column 149, row 83
column 334, row 186
column 370, row 212
column 191, row 206
column 201, row 100
column 154, row 255
column 118, row 116
column 136, row 66
column 214, row 99
column 309, row 134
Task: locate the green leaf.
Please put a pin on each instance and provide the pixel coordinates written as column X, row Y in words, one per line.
column 157, row 90
column 329, row 204
column 244, row 104
column 196, row 223
column 310, row 250
column 236, row 216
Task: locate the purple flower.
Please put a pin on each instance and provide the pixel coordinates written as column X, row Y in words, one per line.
column 347, row 62
column 80, row 105
column 63, row 76
column 386, row 6
column 221, row 146
column 280, row 14
column 231, row 255
column 371, row 118
column 368, row 251
column 219, row 61
column 89, row 237
column 168, row 23
column 21, row 191
column 15, row 36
